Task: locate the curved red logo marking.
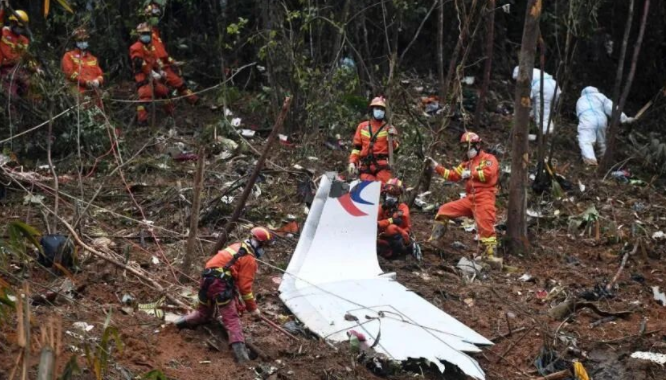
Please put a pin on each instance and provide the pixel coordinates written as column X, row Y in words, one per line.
column 348, row 200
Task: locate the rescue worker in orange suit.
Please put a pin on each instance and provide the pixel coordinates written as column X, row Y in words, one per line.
column 231, row 269
column 481, row 171
column 393, row 224
column 153, row 13
column 82, row 68
column 15, row 67
column 370, row 155
column 149, row 76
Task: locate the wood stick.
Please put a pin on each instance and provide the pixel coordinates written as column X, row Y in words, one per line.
column 46, row 364
column 508, row 334
column 513, row 345
column 194, row 215
column 278, row 328
column 26, row 329
column 154, row 284
column 253, row 178
column 557, row 375
column 642, row 110
column 621, row 268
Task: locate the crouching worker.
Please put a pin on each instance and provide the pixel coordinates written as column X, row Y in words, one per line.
column 231, row 269
column 480, row 170
column 394, row 224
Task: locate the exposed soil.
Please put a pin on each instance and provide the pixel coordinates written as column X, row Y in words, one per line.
column 495, row 304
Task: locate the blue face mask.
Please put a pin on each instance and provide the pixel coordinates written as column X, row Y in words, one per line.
column 82, row 45
column 146, row 38
column 378, row 113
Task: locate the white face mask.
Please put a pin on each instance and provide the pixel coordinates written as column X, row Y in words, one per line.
column 472, row 153
column 378, row 113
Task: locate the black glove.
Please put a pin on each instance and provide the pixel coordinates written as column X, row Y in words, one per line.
column 397, row 221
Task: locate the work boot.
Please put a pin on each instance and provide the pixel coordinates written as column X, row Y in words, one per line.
column 240, row 352
column 438, row 231
column 590, row 162
column 489, row 256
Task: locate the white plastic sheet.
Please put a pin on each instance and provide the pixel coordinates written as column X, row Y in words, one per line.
column 334, row 273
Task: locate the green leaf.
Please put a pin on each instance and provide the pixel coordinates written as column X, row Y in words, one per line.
column 154, row 375
column 65, row 4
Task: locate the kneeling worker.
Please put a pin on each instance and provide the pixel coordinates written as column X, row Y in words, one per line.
column 231, row 269
column 394, row 224
column 481, row 171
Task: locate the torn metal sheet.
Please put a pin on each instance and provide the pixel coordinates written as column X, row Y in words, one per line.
column 334, row 284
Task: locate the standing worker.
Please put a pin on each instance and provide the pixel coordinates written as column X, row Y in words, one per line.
column 374, row 143
column 481, row 171
column 551, row 93
column 593, row 110
column 80, row 67
column 15, row 67
column 231, row 269
column 153, row 13
column 148, row 74
column 394, row 224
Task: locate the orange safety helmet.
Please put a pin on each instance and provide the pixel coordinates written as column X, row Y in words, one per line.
column 261, row 234
column 80, row 34
column 394, row 187
column 470, row 138
column 378, row 101
column 143, row 28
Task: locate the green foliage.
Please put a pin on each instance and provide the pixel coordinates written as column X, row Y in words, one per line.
column 98, row 356
column 234, row 32
column 18, row 234
column 71, row 369
column 651, row 150
column 6, row 304
column 154, row 375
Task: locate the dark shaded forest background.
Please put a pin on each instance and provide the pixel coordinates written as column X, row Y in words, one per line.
column 298, row 46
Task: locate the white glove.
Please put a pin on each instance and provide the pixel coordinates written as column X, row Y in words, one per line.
column 94, row 83
column 466, row 174
column 155, row 75
column 351, row 169
column 163, row 74
column 629, row 120
column 256, row 312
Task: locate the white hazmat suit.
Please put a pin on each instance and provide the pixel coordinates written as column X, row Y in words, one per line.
column 551, row 92
column 593, row 110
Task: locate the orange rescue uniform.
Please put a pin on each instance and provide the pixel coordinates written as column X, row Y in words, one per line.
column 392, row 223
column 13, row 47
column 150, row 62
column 481, row 189
column 172, row 79
column 371, row 149
column 242, row 271
column 81, row 68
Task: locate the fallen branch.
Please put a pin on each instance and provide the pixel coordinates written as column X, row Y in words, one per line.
column 620, row 340
column 621, row 268
column 253, row 178
column 507, row 334
column 278, row 328
column 566, row 308
column 154, row 284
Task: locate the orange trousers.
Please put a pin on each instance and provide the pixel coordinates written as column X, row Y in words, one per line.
column 173, row 80
column 379, row 172
column 480, row 206
column 146, row 97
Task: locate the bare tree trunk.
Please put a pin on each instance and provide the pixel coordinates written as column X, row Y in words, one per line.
column 541, row 105
column 466, row 19
column 194, row 215
column 607, row 160
column 490, row 43
column 341, row 31
column 440, row 51
column 517, row 224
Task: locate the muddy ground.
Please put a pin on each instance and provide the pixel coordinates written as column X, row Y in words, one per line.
column 565, row 262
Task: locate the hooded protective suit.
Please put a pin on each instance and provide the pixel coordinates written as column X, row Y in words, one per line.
column 551, row 92
column 593, row 110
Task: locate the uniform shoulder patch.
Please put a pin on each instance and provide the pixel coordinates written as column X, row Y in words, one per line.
column 489, row 163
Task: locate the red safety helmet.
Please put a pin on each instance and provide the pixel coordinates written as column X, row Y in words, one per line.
column 394, row 187
column 261, row 234
column 470, row 138
column 379, row 101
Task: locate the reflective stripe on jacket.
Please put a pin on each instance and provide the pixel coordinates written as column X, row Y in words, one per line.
column 242, row 271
